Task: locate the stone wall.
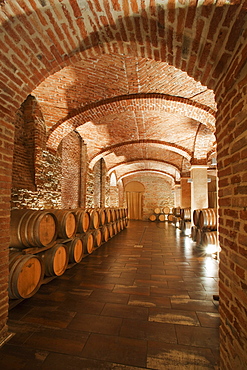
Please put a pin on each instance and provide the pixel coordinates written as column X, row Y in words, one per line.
column 36, row 171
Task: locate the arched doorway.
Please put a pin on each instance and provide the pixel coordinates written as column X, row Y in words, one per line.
column 134, row 193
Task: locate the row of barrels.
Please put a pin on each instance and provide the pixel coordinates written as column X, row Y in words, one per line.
column 29, row 228
column 171, row 214
column 161, row 214
column 161, row 217
column 45, row 243
column 204, row 230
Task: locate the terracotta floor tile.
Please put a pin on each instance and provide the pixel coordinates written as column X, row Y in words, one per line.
column 148, row 301
column 193, row 305
column 96, row 324
column 131, row 289
column 83, row 306
column 162, row 356
column 122, row 350
column 125, row 311
column 57, row 361
column 170, row 316
column 62, row 341
column 54, row 318
column 197, row 336
column 209, row 319
column 109, row 297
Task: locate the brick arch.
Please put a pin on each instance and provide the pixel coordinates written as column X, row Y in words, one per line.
column 147, row 143
column 50, row 37
column 134, row 102
column 152, row 172
column 145, row 164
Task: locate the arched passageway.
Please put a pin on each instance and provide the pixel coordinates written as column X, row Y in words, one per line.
column 75, row 55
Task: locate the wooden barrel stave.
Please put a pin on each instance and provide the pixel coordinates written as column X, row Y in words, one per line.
column 26, row 272
column 55, row 260
column 75, row 250
column 207, row 219
column 32, row 228
column 88, row 242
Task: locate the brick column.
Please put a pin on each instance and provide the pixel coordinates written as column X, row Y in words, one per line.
column 199, row 187
column 177, row 195
column 185, row 201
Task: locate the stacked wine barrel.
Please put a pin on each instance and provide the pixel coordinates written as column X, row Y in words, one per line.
column 175, row 217
column 44, row 243
column 204, row 231
column 160, row 214
column 185, row 220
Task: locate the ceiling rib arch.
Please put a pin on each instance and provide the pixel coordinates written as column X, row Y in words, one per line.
column 134, row 102
column 145, row 165
column 148, row 172
column 148, row 143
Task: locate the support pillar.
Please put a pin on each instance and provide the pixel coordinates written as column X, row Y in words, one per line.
column 185, row 193
column 177, row 195
column 199, row 187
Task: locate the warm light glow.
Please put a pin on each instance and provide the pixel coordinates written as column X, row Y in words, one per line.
column 211, row 249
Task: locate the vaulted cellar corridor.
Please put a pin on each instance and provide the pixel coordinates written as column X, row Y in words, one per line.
column 137, row 107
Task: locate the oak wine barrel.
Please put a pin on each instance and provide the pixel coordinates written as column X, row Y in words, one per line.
column 166, row 210
column 94, row 218
column 26, row 272
column 108, row 215
column 113, row 214
column 105, row 233
column 114, row 226
column 120, row 213
column 152, row 217
column 117, row 213
column 97, row 236
column 55, row 260
column 110, row 229
column 118, row 226
column 121, row 224
column 125, row 212
column 102, row 216
column 75, row 250
column 176, row 211
column 31, row 228
column 209, row 238
column 88, row 242
column 157, row 210
column 66, row 223
column 82, row 220
column 162, row 217
column 196, row 214
column 207, row 219
column 199, row 237
column 170, row 218
column 185, row 214
column 193, row 233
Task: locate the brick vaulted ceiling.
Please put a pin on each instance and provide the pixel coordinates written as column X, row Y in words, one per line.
column 138, row 114
column 135, row 78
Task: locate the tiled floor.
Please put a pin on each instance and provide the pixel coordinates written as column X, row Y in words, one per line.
column 143, row 300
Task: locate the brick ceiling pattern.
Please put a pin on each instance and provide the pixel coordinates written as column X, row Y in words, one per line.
column 90, row 63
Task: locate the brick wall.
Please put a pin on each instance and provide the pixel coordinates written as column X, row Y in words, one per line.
column 71, row 170
column 232, row 169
